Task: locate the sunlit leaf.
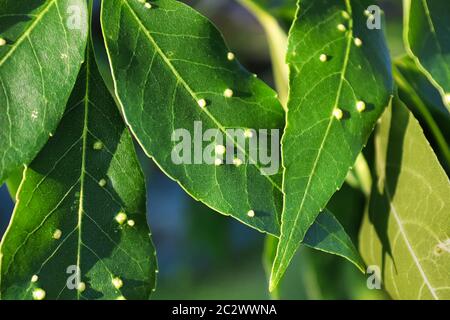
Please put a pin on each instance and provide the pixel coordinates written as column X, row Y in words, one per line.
column 81, row 206
column 42, row 46
column 164, row 60
column 406, row 231
column 426, row 104
column 340, row 83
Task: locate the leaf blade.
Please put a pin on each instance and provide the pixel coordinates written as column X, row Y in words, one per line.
column 410, row 247
column 426, row 104
column 260, row 193
column 331, row 60
column 426, row 41
column 31, row 57
column 173, row 63
column 327, row 234
column 69, row 203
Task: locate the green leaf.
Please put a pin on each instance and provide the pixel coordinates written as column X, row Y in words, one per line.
column 335, row 62
column 13, row 182
column 282, row 10
column 426, row 104
column 268, row 255
column 166, row 59
column 70, row 205
column 427, row 41
column 269, row 15
column 406, row 231
column 327, row 235
column 42, row 46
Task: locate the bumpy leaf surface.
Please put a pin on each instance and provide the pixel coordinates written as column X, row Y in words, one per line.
column 81, row 206
column 335, row 62
column 164, row 60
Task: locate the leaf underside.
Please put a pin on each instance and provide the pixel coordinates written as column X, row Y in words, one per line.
column 83, row 178
column 319, row 148
column 38, row 67
column 406, row 231
column 427, row 41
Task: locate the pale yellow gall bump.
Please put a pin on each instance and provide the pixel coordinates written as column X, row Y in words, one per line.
column 102, row 183
column 220, row 149
column 121, row 217
column 230, row 56
column 218, row 162
column 121, row 298
column 358, row 42
column 341, row 27
column 228, row 93
column 57, row 234
column 201, row 103
column 251, row 213
column 360, row 106
column 131, row 223
column 338, row 114
column 323, row 57
column 237, row 162
column 117, row 282
column 81, row 287
column 147, row 5
column 98, row 145
column 248, row 133
column 34, row 278
column 39, row 294
column 345, row 15
column 2, row 42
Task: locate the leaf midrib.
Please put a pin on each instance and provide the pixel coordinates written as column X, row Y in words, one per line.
column 338, row 94
column 187, row 87
column 83, row 163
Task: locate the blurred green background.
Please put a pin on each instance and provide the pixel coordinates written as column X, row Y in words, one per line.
column 204, row 255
